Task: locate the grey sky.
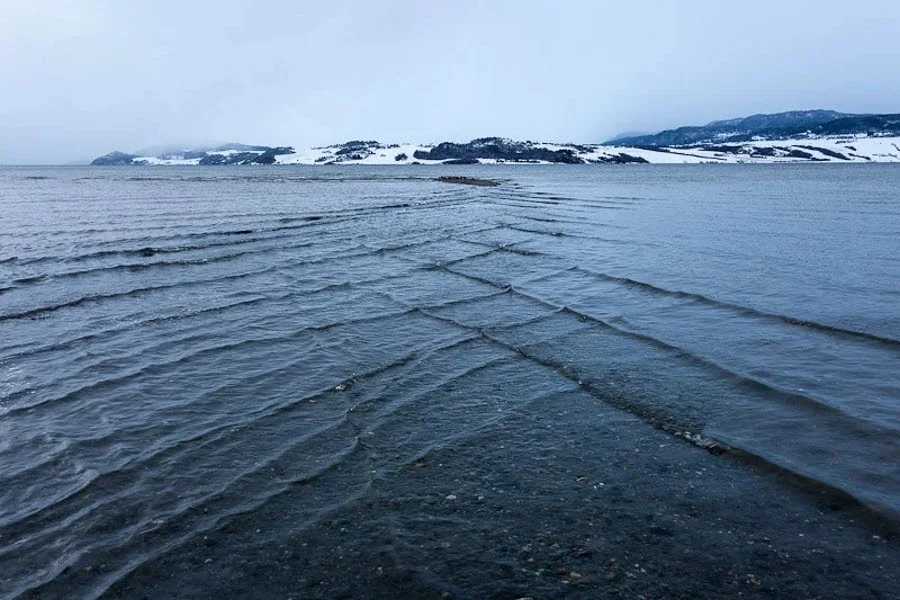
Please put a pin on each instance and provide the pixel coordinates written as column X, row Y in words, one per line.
column 78, row 79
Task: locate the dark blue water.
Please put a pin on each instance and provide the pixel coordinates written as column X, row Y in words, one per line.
column 178, row 345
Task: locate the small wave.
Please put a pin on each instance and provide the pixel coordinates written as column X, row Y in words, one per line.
column 814, row 413
column 742, row 380
column 296, row 219
column 152, row 368
column 421, row 243
column 98, row 334
column 539, row 231
column 122, row 473
column 646, row 413
column 43, row 310
column 148, row 251
column 559, row 219
column 30, row 280
column 134, row 267
column 740, row 308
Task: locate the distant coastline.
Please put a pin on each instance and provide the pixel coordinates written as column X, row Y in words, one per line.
column 797, row 136
column 827, row 149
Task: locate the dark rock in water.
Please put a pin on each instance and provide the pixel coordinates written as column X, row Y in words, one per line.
column 498, row 149
column 462, row 161
column 401, row 156
column 468, row 181
column 114, row 159
column 191, row 154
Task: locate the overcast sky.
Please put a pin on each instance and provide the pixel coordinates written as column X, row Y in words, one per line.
column 81, row 78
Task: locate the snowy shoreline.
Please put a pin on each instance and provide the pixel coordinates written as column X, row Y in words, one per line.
column 818, row 149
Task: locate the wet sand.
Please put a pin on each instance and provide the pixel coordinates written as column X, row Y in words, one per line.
column 614, row 508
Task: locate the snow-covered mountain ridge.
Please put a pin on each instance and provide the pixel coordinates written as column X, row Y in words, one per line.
column 776, row 126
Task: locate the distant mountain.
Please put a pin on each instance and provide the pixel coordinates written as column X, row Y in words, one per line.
column 628, row 134
column 770, row 127
column 862, row 124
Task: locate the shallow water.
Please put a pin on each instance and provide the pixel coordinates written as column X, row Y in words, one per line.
column 179, row 346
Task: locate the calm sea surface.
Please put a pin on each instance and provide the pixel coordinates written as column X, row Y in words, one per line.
column 182, row 345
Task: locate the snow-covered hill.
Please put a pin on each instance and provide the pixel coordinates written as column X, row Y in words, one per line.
column 782, row 126
column 809, row 148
